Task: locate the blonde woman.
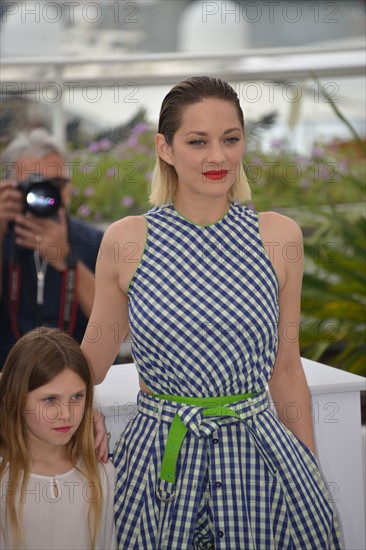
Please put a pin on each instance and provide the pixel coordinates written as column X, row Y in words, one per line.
column 210, row 291
column 53, row 493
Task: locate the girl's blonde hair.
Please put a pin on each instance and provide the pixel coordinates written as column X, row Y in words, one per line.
column 37, row 358
column 193, row 90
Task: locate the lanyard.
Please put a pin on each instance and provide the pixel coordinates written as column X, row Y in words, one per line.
column 68, row 300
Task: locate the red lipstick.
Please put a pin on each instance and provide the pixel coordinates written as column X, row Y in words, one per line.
column 215, row 174
column 63, row 429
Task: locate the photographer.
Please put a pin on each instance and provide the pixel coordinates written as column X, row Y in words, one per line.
column 47, row 259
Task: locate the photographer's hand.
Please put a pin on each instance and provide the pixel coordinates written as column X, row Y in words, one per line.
column 46, row 235
column 10, row 204
column 50, row 238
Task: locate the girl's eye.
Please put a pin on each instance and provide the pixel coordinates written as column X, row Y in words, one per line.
column 50, row 399
column 233, row 139
column 77, row 396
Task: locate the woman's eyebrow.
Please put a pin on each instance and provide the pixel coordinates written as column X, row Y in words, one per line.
column 200, row 133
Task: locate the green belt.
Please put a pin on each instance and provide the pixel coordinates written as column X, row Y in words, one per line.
column 211, row 406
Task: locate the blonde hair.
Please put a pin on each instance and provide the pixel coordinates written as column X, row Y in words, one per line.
column 37, row 358
column 164, row 180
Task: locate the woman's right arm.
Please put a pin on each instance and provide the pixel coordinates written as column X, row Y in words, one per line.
column 108, row 322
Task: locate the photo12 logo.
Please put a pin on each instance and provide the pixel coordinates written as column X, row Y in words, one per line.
column 52, row 91
column 70, row 12
column 270, row 12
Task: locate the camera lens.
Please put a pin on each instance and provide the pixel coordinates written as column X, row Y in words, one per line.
column 43, row 199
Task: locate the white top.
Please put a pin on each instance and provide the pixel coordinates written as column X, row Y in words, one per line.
column 55, row 520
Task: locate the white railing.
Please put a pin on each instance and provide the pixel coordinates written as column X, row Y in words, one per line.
column 165, row 68
column 62, row 75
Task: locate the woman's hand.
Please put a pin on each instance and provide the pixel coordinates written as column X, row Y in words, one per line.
column 101, row 436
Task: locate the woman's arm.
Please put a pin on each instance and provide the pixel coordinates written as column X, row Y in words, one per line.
column 108, row 323
column 288, row 385
column 85, row 288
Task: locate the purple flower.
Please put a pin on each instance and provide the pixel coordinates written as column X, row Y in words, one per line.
column 127, row 201
column 84, row 210
column 132, row 141
column 93, row 147
column 317, row 152
column 257, row 160
column 140, row 128
column 343, row 165
column 300, row 159
column 111, row 172
column 278, row 143
column 105, row 144
column 88, row 191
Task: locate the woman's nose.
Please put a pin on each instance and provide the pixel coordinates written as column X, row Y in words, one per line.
column 215, row 156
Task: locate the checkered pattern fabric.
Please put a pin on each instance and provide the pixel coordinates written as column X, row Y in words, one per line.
column 203, row 306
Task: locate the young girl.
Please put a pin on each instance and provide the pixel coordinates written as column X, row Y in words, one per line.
column 53, row 493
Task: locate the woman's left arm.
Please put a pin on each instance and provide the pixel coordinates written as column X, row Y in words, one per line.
column 288, row 386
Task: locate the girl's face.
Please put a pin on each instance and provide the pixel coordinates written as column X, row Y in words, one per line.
column 207, row 149
column 53, row 412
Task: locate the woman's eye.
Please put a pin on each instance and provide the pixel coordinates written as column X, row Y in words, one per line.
column 196, row 142
column 232, row 139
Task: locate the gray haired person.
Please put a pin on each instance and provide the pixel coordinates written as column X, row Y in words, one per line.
column 47, row 258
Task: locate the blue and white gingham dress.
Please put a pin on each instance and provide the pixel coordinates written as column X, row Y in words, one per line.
column 203, row 309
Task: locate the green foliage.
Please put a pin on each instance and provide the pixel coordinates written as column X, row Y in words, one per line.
column 333, row 297
column 111, row 181
column 284, row 179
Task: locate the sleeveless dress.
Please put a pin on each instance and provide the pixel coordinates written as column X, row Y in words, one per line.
column 203, row 311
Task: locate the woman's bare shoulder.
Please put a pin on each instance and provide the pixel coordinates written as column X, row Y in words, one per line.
column 131, row 228
column 279, row 227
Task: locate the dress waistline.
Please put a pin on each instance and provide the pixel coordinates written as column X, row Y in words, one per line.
column 195, row 414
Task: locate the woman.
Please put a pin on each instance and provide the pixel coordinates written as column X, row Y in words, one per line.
column 211, row 293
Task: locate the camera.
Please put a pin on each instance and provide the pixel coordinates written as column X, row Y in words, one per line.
column 41, row 196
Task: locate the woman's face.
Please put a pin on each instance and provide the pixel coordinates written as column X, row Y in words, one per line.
column 53, row 412
column 207, row 149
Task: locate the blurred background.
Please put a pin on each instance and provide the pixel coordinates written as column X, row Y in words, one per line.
column 104, row 62
column 95, row 73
